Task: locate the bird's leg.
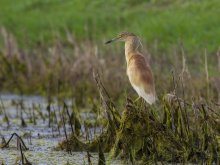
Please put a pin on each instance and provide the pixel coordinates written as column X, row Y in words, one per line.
column 137, row 99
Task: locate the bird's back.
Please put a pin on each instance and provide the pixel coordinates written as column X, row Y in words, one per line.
column 141, row 78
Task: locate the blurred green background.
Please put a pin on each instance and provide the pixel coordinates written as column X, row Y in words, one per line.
column 55, row 42
column 195, row 23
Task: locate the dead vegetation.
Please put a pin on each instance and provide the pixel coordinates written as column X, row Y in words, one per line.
column 185, row 132
column 66, row 67
column 20, row 146
column 183, row 127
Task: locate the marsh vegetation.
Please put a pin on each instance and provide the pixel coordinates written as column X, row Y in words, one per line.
column 83, row 111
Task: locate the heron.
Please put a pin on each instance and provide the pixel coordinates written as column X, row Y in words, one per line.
column 138, row 68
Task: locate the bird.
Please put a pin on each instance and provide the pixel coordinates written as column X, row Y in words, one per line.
column 138, row 68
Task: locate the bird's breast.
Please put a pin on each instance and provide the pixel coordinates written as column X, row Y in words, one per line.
column 139, row 73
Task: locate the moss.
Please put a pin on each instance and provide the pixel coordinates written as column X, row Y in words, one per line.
column 141, row 137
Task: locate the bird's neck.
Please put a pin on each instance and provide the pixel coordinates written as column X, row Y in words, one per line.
column 131, row 47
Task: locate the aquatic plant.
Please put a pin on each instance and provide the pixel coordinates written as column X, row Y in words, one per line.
column 184, row 133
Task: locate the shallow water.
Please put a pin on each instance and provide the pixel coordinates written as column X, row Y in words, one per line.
column 39, row 138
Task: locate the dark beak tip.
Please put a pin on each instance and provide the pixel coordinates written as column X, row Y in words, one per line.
column 108, row 42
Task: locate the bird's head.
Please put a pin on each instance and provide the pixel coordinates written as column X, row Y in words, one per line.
column 122, row 37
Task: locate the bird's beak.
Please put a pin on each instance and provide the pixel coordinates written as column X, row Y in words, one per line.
column 112, row 40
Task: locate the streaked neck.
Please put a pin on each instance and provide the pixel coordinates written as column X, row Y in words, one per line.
column 131, row 47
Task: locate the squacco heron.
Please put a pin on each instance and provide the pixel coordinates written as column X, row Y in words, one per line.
column 138, row 68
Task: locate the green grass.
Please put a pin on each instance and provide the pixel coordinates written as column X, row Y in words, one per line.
column 193, row 23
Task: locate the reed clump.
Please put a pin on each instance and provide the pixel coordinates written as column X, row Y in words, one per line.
column 174, row 131
column 65, row 66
